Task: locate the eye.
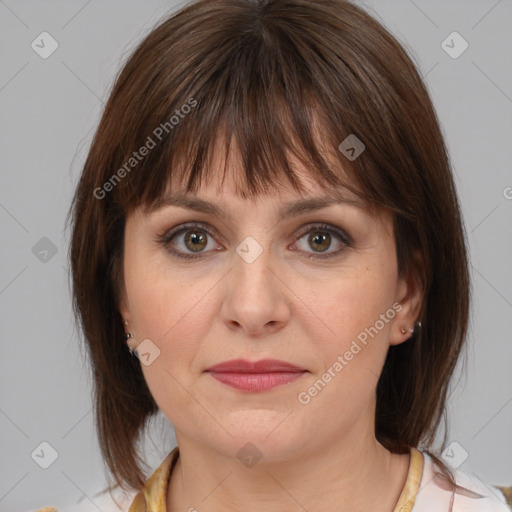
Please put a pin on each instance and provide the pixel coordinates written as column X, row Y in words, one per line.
column 191, row 241
column 320, row 238
column 195, row 239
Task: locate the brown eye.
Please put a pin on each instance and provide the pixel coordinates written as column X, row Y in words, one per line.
column 320, row 241
column 195, row 240
column 188, row 241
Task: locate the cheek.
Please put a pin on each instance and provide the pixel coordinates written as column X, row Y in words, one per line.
column 354, row 301
column 176, row 316
column 159, row 300
column 174, row 312
column 353, row 354
column 358, row 310
column 172, row 316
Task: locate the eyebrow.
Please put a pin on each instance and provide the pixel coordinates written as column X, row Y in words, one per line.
column 292, row 209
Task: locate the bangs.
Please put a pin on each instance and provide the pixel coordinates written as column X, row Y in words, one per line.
column 262, row 144
column 255, row 98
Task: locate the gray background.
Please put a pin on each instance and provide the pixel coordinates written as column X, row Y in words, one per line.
column 49, row 109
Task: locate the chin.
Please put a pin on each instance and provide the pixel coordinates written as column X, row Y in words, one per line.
column 269, row 436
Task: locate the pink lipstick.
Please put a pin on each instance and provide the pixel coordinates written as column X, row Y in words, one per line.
column 255, row 376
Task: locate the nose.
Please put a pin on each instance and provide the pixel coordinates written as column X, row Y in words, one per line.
column 257, row 300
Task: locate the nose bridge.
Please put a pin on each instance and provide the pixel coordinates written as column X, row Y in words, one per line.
column 255, row 300
column 251, row 263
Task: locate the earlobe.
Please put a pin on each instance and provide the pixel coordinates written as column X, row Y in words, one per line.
column 407, row 332
column 403, row 330
column 125, row 315
column 410, row 297
column 124, row 310
column 129, row 338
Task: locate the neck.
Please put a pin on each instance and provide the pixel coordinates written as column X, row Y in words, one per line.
column 352, row 474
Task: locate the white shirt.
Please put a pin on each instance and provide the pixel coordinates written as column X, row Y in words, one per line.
column 471, row 495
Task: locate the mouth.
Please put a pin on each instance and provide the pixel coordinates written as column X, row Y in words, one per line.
column 255, row 376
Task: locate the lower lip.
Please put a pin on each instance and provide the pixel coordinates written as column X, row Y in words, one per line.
column 254, row 382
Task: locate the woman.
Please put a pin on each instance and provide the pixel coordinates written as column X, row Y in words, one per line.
column 268, row 248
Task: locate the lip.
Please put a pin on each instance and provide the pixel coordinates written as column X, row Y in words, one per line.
column 255, row 376
column 262, row 366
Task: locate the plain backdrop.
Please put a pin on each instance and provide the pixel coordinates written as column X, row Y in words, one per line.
column 49, row 109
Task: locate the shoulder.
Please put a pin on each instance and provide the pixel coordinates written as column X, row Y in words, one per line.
column 470, row 494
column 118, row 501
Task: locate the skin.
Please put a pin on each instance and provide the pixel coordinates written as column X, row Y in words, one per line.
column 323, row 455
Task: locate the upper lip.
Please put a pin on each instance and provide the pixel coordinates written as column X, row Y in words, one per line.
column 262, row 366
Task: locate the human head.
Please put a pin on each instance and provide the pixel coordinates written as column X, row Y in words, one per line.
column 283, row 77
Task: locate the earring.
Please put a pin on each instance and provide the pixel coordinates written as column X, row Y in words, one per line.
column 403, row 330
column 133, row 351
column 129, row 335
column 413, row 330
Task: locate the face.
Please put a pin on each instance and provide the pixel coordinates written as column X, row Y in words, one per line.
column 317, row 289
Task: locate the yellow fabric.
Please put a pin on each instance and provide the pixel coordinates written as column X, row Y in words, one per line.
column 153, row 497
column 507, row 492
column 412, row 483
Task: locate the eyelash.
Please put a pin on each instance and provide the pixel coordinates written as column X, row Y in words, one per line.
column 164, row 239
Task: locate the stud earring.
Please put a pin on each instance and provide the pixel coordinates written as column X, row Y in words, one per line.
column 128, row 334
column 413, row 330
column 403, row 330
column 132, row 350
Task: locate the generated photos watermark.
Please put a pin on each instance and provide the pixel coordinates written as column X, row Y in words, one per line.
column 305, row 397
column 137, row 156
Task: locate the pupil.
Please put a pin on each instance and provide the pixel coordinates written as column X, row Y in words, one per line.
column 320, row 239
column 197, row 240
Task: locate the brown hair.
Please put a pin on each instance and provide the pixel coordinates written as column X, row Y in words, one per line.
column 264, row 71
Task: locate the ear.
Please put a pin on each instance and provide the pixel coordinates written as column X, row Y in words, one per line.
column 409, row 295
column 124, row 307
column 124, row 310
